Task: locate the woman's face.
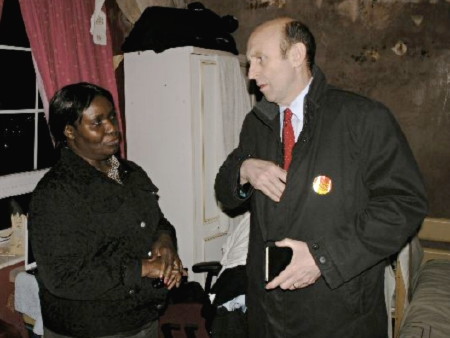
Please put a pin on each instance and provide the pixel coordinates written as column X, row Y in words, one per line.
column 96, row 137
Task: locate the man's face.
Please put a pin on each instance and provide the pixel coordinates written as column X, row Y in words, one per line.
column 274, row 74
column 96, row 137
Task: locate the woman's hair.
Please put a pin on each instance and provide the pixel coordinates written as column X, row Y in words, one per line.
column 67, row 107
column 294, row 32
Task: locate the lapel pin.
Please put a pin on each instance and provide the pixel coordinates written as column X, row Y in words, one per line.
column 322, row 185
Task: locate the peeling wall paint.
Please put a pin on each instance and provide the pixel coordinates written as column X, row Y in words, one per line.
column 349, row 9
column 395, row 51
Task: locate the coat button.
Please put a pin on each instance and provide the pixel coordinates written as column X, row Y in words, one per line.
column 322, row 260
column 131, row 292
column 143, row 224
column 315, row 246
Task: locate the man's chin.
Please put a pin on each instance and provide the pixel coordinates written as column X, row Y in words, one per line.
column 269, row 98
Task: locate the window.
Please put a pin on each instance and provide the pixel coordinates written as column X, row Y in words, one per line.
column 25, row 143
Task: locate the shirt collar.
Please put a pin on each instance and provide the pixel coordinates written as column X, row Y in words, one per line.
column 296, row 106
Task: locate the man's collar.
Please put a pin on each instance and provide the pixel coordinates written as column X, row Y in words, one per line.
column 296, row 106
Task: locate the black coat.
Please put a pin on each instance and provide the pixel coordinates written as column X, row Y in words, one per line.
column 89, row 234
column 377, row 201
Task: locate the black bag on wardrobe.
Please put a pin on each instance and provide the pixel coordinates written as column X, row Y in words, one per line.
column 161, row 28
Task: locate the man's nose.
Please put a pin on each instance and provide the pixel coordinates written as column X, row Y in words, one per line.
column 252, row 72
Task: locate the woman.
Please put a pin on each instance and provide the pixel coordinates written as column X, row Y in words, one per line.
column 97, row 232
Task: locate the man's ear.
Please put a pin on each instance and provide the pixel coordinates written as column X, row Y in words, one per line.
column 297, row 54
column 69, row 131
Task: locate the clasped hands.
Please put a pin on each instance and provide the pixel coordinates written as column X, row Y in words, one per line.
column 270, row 179
column 164, row 263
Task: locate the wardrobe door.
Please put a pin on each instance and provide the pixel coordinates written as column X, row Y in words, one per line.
column 211, row 224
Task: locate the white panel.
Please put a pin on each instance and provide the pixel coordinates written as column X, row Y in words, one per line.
column 206, row 110
column 211, row 110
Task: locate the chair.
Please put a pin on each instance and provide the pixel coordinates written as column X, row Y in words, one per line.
column 191, row 313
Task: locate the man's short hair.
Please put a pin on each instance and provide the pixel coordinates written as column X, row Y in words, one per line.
column 294, row 32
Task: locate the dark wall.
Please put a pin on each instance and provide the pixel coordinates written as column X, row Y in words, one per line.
column 395, row 51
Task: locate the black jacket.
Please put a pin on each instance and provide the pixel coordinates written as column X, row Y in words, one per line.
column 377, row 201
column 89, row 234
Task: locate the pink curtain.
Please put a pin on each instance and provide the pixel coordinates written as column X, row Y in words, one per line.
column 63, row 48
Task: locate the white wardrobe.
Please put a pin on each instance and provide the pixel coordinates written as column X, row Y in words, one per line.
column 184, row 108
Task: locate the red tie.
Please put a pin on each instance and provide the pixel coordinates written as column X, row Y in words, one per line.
column 288, row 138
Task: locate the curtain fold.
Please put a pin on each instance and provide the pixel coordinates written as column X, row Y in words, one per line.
column 1, row 8
column 63, row 48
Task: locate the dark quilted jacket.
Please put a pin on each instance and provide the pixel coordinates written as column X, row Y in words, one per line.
column 89, row 234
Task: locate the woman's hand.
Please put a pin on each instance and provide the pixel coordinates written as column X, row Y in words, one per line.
column 172, row 268
column 153, row 268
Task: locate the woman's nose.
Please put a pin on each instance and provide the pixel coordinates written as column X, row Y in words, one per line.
column 111, row 126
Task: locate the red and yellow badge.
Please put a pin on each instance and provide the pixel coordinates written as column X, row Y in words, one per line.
column 322, row 185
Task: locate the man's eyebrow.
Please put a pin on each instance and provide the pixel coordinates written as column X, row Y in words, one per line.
column 254, row 55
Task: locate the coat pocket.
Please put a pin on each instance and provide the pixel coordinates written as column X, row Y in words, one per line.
column 352, row 295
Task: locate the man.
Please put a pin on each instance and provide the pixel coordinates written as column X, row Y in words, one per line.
column 351, row 197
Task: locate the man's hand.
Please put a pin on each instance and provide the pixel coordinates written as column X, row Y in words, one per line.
column 265, row 176
column 301, row 272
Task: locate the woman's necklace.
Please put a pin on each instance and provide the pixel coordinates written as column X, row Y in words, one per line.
column 113, row 171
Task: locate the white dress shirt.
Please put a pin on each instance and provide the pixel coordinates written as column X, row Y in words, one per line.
column 297, row 113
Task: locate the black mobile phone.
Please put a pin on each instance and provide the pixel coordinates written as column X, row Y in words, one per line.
column 277, row 258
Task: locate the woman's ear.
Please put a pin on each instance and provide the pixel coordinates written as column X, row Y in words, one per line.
column 297, row 54
column 69, row 132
